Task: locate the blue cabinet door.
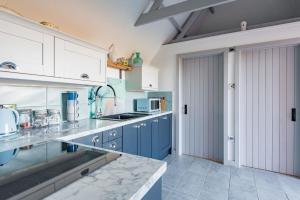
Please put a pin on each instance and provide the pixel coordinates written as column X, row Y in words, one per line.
column 145, row 143
column 165, row 131
column 130, row 139
column 155, row 139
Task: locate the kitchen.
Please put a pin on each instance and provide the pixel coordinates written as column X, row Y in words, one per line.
column 97, row 103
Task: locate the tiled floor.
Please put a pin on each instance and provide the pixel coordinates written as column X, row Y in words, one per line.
column 190, row 178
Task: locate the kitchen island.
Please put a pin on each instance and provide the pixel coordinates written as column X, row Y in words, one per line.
column 128, row 177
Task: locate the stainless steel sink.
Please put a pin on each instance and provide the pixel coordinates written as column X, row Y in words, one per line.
column 123, row 116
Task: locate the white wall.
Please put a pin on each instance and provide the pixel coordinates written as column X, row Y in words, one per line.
column 166, row 59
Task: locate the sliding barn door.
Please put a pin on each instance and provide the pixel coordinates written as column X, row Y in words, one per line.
column 267, row 95
column 202, row 86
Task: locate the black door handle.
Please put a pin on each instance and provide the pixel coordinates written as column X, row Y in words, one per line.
column 293, row 114
column 185, row 109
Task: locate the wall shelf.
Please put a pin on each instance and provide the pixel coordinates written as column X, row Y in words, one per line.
column 118, row 66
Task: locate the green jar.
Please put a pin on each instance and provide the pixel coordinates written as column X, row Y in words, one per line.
column 137, row 61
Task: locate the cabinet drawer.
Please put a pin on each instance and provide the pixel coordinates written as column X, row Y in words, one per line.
column 112, row 134
column 90, row 140
column 115, row 145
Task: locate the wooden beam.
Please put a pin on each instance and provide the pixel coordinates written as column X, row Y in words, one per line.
column 186, row 6
column 175, row 24
column 211, row 10
column 159, row 4
column 156, row 5
column 188, row 24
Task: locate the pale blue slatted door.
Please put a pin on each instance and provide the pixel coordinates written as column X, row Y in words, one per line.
column 203, row 95
column 267, row 95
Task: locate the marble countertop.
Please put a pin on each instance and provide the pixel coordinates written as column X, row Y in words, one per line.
column 66, row 131
column 127, row 178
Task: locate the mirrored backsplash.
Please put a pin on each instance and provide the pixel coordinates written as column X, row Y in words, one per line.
column 38, row 97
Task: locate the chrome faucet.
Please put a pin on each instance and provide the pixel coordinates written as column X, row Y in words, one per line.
column 99, row 113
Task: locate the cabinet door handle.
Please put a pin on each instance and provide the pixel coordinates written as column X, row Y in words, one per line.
column 8, row 65
column 155, row 121
column 150, row 85
column 85, row 76
column 164, row 117
column 113, row 133
column 143, row 124
column 136, row 126
column 95, row 140
column 113, row 145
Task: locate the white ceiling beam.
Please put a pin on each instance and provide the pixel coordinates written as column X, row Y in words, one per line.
column 186, row 6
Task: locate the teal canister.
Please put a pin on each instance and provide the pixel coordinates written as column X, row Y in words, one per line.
column 137, row 60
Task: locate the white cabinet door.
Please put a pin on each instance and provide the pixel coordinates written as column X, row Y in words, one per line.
column 79, row 62
column 142, row 78
column 150, row 78
column 24, row 50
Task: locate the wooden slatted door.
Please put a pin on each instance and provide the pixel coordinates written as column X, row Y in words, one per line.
column 202, row 86
column 267, row 95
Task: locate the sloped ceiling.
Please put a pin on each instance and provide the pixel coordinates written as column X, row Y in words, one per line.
column 101, row 22
column 255, row 12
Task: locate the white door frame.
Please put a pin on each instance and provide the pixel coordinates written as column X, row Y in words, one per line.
column 179, row 96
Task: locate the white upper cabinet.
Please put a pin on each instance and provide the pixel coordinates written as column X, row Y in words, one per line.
column 75, row 61
column 24, row 50
column 30, row 51
column 142, row 79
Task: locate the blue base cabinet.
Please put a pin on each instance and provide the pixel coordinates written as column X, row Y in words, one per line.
column 155, row 193
column 150, row 138
column 164, row 135
column 161, row 136
column 130, row 138
column 137, row 139
column 145, row 139
column 155, row 139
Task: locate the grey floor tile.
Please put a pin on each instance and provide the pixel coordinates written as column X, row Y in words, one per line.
column 267, row 180
column 173, row 195
column 219, row 169
column 239, row 184
column 190, row 184
column 191, row 178
column 212, row 195
column 242, row 173
column 216, row 184
column 291, row 186
column 200, row 167
column 242, row 195
column 293, row 196
column 271, row 194
column 165, row 193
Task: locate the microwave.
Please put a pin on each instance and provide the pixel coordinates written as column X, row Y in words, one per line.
column 148, row 105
